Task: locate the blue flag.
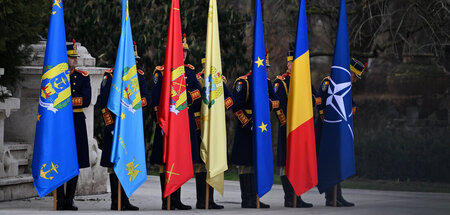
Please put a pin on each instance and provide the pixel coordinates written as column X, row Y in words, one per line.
column 55, row 158
column 128, row 150
column 336, row 154
column 262, row 138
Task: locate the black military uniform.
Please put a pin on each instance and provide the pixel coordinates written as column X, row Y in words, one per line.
column 281, row 89
column 108, row 135
column 194, row 99
column 81, row 98
column 242, row 151
column 199, row 169
column 357, row 69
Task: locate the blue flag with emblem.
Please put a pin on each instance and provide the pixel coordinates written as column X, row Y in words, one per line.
column 336, row 159
column 262, row 138
column 55, row 152
column 128, row 149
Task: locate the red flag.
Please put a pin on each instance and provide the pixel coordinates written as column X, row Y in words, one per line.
column 173, row 115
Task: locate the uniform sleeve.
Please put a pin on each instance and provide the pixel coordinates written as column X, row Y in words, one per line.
column 155, row 91
column 195, row 91
column 281, row 96
column 273, row 101
column 316, row 100
column 228, row 97
column 108, row 116
column 86, row 92
column 240, row 97
column 145, row 96
column 322, row 94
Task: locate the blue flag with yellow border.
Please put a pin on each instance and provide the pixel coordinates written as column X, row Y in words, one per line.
column 262, row 134
column 336, row 159
column 128, row 149
column 55, row 158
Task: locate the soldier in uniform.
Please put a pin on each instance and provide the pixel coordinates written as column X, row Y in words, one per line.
column 242, row 151
column 108, row 133
column 281, row 89
column 194, row 97
column 81, row 97
column 357, row 69
column 200, row 169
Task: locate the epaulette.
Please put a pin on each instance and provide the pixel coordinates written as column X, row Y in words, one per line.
column 189, row 66
column 160, row 68
column 110, row 70
column 84, row 73
column 223, row 78
column 280, row 77
column 140, row 72
column 326, row 77
column 199, row 75
column 244, row 77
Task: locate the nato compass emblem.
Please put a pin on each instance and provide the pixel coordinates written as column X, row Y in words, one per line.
column 336, row 100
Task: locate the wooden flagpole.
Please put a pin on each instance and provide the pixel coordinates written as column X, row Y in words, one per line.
column 119, row 197
column 207, row 196
column 295, row 200
column 334, row 195
column 55, row 197
column 168, row 202
column 257, row 202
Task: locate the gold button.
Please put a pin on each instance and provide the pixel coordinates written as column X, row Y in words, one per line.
column 74, row 83
column 74, row 76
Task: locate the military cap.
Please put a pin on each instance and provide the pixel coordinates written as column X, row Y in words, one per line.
column 185, row 44
column 135, row 51
column 72, row 49
column 290, row 56
column 357, row 67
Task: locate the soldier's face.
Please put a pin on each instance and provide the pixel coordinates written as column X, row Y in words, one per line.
column 184, row 54
column 73, row 62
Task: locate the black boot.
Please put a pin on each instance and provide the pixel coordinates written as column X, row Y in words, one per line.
column 288, row 192
column 113, row 183
column 176, row 201
column 252, row 189
column 341, row 199
column 60, row 198
column 126, row 205
column 71, row 187
column 162, row 178
column 302, row 204
column 329, row 198
column 200, row 185
column 245, row 192
column 212, row 204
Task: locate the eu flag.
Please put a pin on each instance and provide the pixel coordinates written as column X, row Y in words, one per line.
column 336, row 154
column 55, row 153
column 128, row 150
column 262, row 137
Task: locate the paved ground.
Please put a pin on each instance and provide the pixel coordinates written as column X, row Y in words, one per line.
column 148, row 199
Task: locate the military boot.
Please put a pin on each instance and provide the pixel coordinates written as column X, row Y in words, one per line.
column 176, row 201
column 60, row 198
column 71, row 187
column 126, row 205
column 212, row 204
column 329, row 198
column 252, row 190
column 200, row 185
column 302, row 204
column 288, row 192
column 114, row 186
column 341, row 199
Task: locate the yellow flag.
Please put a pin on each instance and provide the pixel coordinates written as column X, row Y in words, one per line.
column 213, row 150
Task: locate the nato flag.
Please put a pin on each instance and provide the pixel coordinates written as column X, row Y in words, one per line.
column 55, row 152
column 262, row 138
column 336, row 154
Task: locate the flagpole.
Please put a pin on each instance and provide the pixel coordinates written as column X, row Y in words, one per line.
column 295, row 200
column 334, row 195
column 119, row 197
column 55, row 196
column 257, row 202
column 168, row 202
column 207, row 196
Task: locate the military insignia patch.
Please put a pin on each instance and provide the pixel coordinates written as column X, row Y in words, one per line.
column 325, row 86
column 275, row 88
column 239, row 86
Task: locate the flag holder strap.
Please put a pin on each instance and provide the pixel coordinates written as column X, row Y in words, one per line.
column 55, row 197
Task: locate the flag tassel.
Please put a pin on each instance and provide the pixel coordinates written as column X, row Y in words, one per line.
column 55, row 197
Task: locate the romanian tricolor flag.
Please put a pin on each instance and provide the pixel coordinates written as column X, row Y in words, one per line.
column 301, row 165
column 214, row 135
column 173, row 115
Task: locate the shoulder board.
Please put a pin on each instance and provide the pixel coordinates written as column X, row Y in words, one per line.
column 110, row 70
column 160, row 68
column 189, row 66
column 140, row 72
column 84, row 73
column 280, row 77
column 244, row 77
